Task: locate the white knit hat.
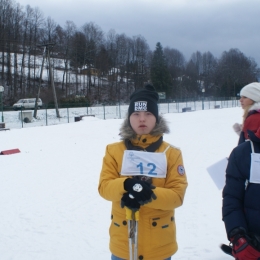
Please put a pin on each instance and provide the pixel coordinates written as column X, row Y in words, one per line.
column 251, row 91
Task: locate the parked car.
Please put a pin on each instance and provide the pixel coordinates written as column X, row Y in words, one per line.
column 27, row 103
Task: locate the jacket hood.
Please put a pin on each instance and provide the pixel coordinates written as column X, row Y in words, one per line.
column 126, row 131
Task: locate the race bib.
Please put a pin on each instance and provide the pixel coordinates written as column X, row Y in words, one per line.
column 144, row 163
column 255, row 168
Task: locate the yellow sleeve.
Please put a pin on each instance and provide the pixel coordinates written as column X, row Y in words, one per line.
column 111, row 185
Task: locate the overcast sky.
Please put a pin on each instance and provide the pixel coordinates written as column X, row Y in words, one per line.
column 185, row 25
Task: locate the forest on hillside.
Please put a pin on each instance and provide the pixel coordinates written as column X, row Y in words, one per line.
column 105, row 67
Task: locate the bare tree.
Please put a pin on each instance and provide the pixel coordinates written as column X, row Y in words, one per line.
column 65, row 43
column 192, row 83
column 103, row 67
column 9, row 40
column 77, row 57
column 176, row 66
column 112, row 52
column 121, row 46
column 140, row 50
column 94, row 38
column 25, row 25
column 234, row 70
column 17, row 29
column 5, row 11
column 209, row 64
column 37, row 23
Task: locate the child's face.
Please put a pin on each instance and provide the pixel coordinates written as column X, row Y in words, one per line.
column 245, row 102
column 142, row 122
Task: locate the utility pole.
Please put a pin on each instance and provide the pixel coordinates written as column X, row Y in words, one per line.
column 39, row 87
column 47, row 48
column 52, row 81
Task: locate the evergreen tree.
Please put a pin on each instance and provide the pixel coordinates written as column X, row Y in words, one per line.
column 160, row 74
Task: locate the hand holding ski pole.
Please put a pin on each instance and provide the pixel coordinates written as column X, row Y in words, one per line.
column 140, row 190
column 129, row 202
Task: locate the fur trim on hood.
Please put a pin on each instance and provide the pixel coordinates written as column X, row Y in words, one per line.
column 126, row 131
column 255, row 106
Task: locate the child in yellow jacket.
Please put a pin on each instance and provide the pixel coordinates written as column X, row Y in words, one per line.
column 146, row 174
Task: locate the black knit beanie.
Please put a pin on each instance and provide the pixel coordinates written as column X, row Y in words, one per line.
column 145, row 99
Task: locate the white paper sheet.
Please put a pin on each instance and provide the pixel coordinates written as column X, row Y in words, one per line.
column 217, row 172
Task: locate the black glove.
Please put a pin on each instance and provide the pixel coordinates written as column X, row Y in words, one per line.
column 130, row 202
column 140, row 190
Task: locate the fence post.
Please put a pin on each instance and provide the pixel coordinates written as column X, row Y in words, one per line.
column 46, row 116
column 104, row 111
column 22, row 115
column 119, row 109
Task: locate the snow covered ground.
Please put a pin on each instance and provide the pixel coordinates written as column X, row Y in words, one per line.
column 50, row 206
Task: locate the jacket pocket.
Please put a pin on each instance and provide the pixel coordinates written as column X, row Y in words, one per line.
column 118, row 230
column 162, row 231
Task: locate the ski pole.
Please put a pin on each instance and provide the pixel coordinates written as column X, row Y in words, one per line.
column 132, row 220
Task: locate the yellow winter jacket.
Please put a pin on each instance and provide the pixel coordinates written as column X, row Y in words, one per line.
column 157, row 231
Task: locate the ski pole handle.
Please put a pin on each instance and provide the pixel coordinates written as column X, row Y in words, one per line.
column 130, row 214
